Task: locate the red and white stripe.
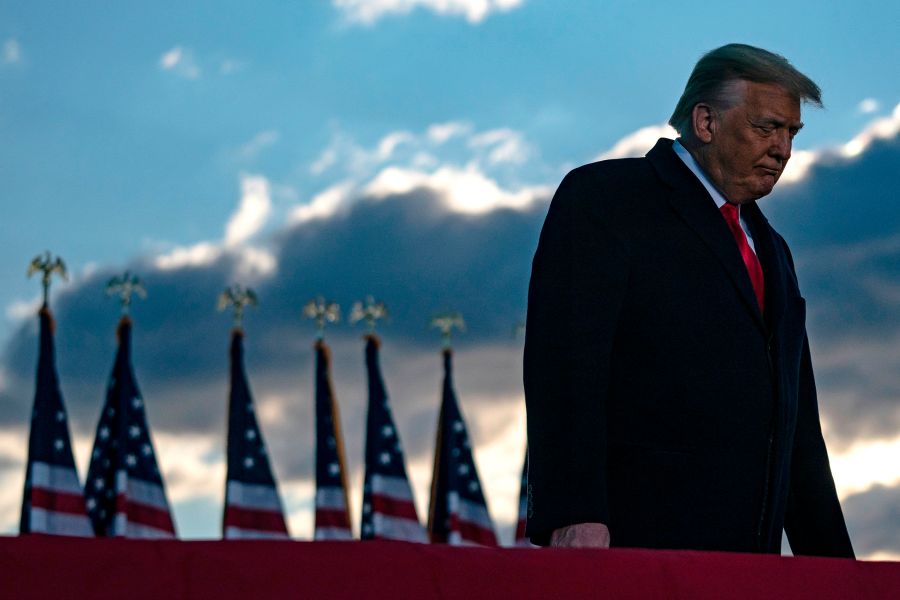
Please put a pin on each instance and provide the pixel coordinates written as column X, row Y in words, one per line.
column 253, row 512
column 57, row 502
column 332, row 517
column 470, row 523
column 394, row 512
column 141, row 510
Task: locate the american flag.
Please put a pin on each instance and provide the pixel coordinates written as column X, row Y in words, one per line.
column 520, row 538
column 52, row 502
column 388, row 510
column 332, row 512
column 124, row 489
column 252, row 506
column 458, row 513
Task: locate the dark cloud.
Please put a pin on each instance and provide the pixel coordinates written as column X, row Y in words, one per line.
column 407, row 250
column 411, row 252
column 843, row 225
column 873, row 518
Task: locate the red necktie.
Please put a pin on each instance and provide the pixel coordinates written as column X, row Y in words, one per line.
column 754, row 269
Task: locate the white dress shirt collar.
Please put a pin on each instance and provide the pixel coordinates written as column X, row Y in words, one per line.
column 714, row 192
column 697, row 170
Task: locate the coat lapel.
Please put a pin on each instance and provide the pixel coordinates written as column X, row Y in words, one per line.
column 695, row 206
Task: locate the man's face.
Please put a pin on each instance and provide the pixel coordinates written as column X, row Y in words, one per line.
column 751, row 142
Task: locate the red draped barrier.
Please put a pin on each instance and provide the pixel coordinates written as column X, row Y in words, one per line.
column 45, row 567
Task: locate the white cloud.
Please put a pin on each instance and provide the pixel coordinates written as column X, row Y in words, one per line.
column 880, row 129
column 466, row 190
column 869, row 105
column 389, row 144
column 24, row 309
column 260, row 142
column 456, row 141
column 250, row 217
column 798, row 166
column 13, row 450
column 441, row 132
column 253, row 212
column 358, row 161
column 180, row 61
column 639, row 142
column 12, row 52
column 802, row 160
column 503, row 146
column 254, row 263
column 404, row 147
column 450, row 159
column 367, row 12
column 866, row 464
column 323, row 205
column 325, row 161
column 187, row 470
column 198, row 255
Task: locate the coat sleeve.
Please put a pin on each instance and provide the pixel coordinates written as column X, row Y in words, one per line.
column 814, row 522
column 578, row 282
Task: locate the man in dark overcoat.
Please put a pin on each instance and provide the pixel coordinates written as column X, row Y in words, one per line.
column 668, row 381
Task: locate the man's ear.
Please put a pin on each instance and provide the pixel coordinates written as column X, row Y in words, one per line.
column 703, row 122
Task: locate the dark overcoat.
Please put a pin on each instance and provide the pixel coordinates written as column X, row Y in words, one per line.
column 660, row 400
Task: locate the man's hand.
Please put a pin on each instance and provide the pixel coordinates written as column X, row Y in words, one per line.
column 581, row 535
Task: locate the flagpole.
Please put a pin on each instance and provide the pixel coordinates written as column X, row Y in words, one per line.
column 446, row 323
column 324, row 312
column 52, row 496
column 123, row 471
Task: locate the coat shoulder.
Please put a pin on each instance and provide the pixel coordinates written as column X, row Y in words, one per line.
column 618, row 171
column 609, row 188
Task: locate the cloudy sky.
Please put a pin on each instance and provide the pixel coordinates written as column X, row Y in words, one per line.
column 405, row 149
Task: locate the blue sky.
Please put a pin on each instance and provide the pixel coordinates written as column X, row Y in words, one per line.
column 391, row 147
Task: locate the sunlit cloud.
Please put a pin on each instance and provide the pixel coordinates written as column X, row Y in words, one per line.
column 639, row 142
column 450, row 159
column 324, row 204
column 402, row 176
column 865, row 464
column 251, row 215
column 193, row 465
column 253, row 212
column 13, row 454
column 181, row 62
column 195, row 255
column 879, row 129
column 798, row 166
column 23, row 309
column 466, row 190
column 367, row 12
